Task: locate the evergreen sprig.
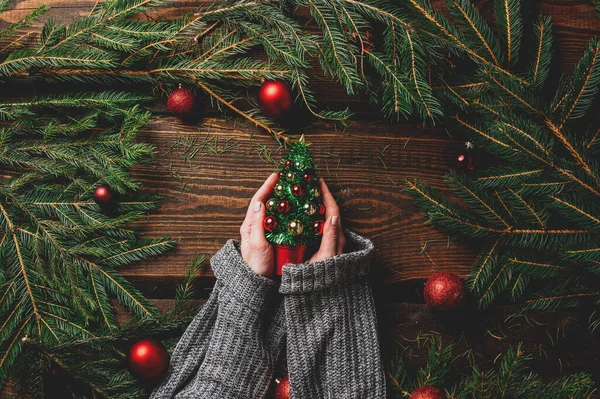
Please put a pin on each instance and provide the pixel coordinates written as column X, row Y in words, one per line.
column 534, row 211
column 509, row 377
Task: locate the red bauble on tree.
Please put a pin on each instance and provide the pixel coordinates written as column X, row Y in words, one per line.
column 275, row 98
column 103, row 195
column 319, row 226
column 444, row 290
column 465, row 160
column 284, row 206
column 181, row 102
column 270, row 223
column 428, row 392
column 297, row 190
column 147, row 359
column 283, row 388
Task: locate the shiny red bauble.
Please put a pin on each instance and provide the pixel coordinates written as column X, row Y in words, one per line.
column 297, row 190
column 103, row 195
column 318, row 227
column 147, row 359
column 283, row 206
column 428, row 392
column 309, row 175
column 270, row 223
column 288, row 163
column 283, row 388
column 444, row 291
column 181, row 102
column 321, row 209
column 275, row 98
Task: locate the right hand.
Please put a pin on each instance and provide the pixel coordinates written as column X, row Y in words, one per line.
column 333, row 240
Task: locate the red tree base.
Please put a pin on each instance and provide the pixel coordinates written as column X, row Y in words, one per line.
column 287, row 254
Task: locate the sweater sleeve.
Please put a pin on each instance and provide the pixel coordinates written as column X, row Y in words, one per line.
column 230, row 348
column 332, row 339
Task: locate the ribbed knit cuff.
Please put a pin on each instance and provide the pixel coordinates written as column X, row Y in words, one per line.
column 251, row 289
column 339, row 269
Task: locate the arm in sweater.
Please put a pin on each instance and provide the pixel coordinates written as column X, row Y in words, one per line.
column 332, row 343
column 230, row 348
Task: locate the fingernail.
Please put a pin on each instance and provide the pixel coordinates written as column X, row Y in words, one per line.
column 334, row 220
column 321, row 179
column 257, row 206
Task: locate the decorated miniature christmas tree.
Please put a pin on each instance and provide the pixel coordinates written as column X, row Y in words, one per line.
column 295, row 211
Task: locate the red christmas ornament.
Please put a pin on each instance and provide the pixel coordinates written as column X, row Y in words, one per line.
column 275, row 98
column 444, row 290
column 428, row 392
column 288, row 163
column 297, row 190
column 309, row 175
column 103, row 195
column 281, row 174
column 321, row 209
column 270, row 223
column 283, row 206
column 181, row 102
column 318, row 227
column 465, row 161
column 147, row 359
column 283, row 388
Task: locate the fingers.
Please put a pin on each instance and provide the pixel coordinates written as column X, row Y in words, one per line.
column 257, row 230
column 333, row 238
column 259, row 197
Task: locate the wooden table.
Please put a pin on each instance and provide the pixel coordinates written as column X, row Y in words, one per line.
column 205, row 197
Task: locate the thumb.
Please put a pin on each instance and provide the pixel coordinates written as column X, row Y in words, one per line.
column 329, row 243
column 257, row 230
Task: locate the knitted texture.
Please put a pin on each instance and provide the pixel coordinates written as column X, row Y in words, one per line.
column 325, row 315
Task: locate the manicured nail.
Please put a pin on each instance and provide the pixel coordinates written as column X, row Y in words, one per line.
column 257, row 206
column 334, row 220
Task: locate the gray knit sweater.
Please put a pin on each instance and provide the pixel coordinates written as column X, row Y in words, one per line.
column 323, row 313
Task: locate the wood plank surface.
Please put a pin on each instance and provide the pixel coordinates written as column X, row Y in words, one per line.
column 205, row 197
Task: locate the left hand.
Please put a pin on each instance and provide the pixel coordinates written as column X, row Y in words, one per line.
column 256, row 250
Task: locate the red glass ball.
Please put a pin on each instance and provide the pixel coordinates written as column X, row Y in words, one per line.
column 288, row 163
column 181, row 102
column 283, row 206
column 321, row 209
column 283, row 389
column 309, row 175
column 103, row 195
column 444, row 290
column 275, row 98
column 270, row 223
column 319, row 226
column 428, row 392
column 147, row 358
column 281, row 174
column 297, row 190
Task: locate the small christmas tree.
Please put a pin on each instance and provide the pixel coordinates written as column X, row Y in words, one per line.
column 295, row 211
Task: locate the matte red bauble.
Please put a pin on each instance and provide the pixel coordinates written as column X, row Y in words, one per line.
column 297, row 190
column 275, row 98
column 283, row 206
column 318, row 227
column 103, row 195
column 428, row 392
column 444, row 290
column 270, row 223
column 181, row 102
column 147, row 359
column 283, row 388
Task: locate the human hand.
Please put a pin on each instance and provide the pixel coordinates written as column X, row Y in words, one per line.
column 333, row 240
column 256, row 250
